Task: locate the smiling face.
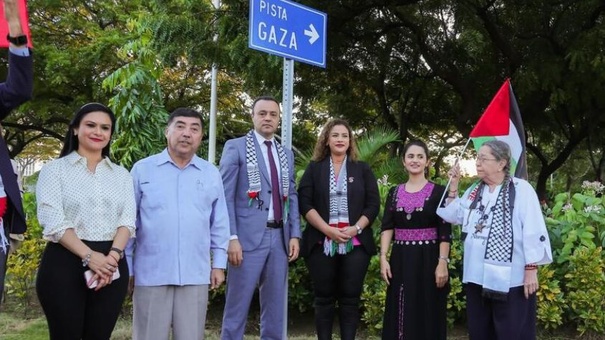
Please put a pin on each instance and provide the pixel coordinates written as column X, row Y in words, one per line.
column 265, row 117
column 339, row 140
column 184, row 136
column 415, row 160
column 93, row 132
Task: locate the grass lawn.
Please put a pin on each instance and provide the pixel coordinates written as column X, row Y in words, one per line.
column 18, row 323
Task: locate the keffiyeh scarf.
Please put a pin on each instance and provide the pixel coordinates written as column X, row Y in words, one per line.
column 254, row 184
column 3, row 239
column 339, row 210
column 498, row 256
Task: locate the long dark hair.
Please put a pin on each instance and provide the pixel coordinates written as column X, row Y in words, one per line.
column 70, row 142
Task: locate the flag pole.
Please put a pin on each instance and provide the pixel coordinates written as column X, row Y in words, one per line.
column 450, row 179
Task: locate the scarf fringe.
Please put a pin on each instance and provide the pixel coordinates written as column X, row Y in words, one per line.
column 332, row 248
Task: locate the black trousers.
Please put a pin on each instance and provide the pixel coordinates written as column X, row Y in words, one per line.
column 337, row 278
column 73, row 311
column 3, row 264
column 490, row 319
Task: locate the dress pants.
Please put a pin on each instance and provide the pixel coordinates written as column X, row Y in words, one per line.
column 337, row 278
column 73, row 311
column 158, row 308
column 266, row 267
column 490, row 319
column 3, row 265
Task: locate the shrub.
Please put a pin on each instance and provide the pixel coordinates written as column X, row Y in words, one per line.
column 23, row 263
column 585, row 285
column 550, row 299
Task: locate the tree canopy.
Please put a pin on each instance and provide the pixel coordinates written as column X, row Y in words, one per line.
column 425, row 69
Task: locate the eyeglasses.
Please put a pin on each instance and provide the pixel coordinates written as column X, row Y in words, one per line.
column 482, row 159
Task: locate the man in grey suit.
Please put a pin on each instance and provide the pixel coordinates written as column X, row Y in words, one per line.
column 260, row 189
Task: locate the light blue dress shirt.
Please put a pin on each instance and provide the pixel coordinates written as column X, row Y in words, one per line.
column 181, row 218
column 20, row 51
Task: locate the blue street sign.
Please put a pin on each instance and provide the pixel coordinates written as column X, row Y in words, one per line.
column 289, row 30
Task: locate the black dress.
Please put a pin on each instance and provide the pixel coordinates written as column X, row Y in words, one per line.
column 415, row 308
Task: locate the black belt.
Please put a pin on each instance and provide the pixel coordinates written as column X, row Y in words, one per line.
column 275, row 225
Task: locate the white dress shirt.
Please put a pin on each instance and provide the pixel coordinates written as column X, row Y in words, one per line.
column 261, row 142
column 95, row 204
column 531, row 244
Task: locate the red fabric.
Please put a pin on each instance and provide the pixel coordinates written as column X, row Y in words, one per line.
column 495, row 119
column 2, row 206
column 24, row 24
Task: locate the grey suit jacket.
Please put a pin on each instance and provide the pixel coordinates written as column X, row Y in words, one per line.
column 248, row 221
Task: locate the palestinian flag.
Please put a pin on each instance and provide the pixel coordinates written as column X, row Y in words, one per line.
column 502, row 121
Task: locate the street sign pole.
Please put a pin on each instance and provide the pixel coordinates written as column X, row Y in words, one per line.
column 213, row 100
column 287, row 102
column 295, row 32
column 286, row 131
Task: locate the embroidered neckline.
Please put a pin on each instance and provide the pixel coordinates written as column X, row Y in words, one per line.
column 413, row 201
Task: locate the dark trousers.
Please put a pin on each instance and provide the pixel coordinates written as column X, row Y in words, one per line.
column 337, row 278
column 490, row 319
column 73, row 311
column 3, row 267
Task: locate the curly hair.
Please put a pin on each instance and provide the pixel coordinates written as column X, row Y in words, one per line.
column 322, row 149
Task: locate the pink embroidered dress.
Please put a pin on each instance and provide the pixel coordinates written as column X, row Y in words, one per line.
column 415, row 307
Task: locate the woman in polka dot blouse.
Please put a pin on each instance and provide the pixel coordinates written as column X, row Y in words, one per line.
column 87, row 209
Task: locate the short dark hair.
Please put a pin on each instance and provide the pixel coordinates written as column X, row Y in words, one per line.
column 185, row 112
column 70, row 142
column 269, row 98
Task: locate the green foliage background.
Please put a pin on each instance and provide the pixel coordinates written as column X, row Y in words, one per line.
column 572, row 289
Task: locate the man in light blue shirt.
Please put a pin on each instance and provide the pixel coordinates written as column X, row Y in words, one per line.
column 181, row 218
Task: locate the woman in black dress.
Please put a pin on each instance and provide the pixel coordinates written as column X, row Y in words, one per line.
column 416, row 273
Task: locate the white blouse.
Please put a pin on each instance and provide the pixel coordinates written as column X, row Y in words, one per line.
column 95, row 204
column 531, row 243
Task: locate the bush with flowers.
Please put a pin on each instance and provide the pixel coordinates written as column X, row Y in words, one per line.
column 573, row 287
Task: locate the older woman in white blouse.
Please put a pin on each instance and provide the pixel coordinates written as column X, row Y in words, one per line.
column 87, row 209
column 505, row 239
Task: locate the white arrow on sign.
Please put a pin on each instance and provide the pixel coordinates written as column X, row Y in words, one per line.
column 312, row 34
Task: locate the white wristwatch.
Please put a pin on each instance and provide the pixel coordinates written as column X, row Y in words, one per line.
column 359, row 230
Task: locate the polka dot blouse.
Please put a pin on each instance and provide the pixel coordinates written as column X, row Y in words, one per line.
column 95, row 204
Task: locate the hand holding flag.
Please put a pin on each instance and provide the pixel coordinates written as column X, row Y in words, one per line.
column 501, row 120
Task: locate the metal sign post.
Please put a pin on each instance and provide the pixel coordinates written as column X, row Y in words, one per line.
column 287, row 103
column 295, row 32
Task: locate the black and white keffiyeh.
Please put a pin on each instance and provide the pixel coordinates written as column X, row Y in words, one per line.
column 254, row 183
column 498, row 257
column 339, row 210
column 3, row 239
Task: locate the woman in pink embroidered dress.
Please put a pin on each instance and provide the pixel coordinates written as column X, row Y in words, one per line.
column 416, row 273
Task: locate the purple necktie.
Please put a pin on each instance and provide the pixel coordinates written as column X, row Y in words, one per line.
column 274, row 185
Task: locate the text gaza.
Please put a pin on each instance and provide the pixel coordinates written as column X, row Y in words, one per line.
column 280, row 36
